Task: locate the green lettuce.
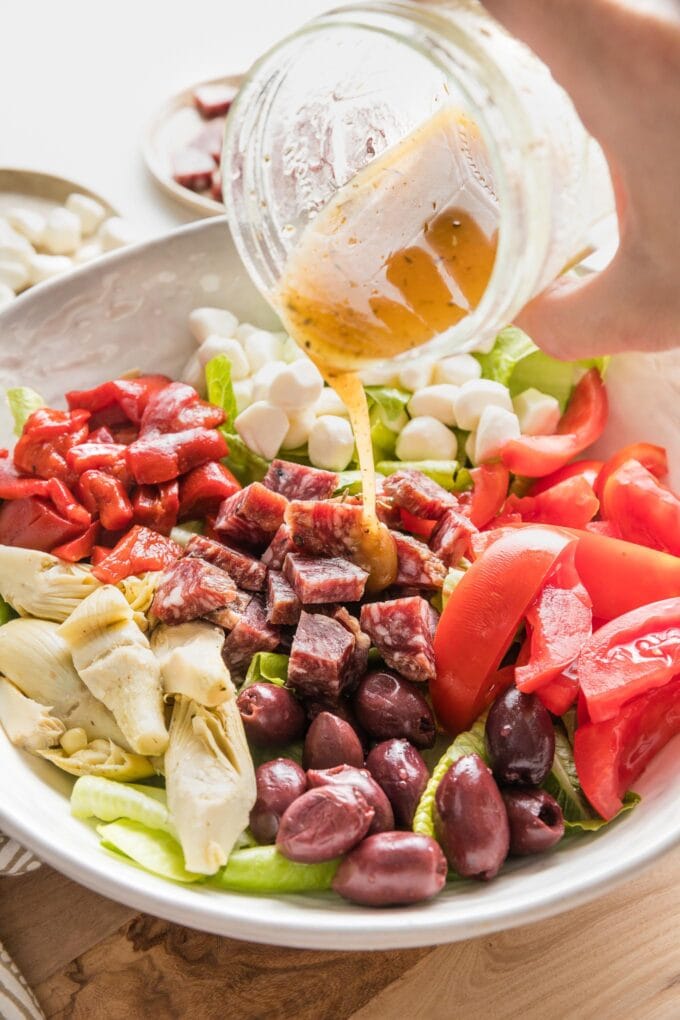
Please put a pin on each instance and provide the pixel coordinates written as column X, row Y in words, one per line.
column 242, row 462
column 23, row 401
column 470, row 742
column 441, row 471
column 383, row 441
column 349, row 482
column 152, row 849
column 389, row 404
column 219, row 386
column 95, row 797
column 267, row 667
column 262, row 869
column 511, row 347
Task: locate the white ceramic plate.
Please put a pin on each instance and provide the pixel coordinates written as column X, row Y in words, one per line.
column 130, row 309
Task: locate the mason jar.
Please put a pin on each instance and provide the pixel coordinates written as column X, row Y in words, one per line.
column 330, row 100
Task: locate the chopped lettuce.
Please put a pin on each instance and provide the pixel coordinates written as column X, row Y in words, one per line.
column 267, row 667
column 510, row 348
column 470, row 742
column 452, row 580
column 23, row 401
column 389, row 405
column 442, row 471
column 154, row 850
column 262, row 869
column 182, row 533
column 219, row 386
column 349, row 482
column 383, row 441
column 246, row 466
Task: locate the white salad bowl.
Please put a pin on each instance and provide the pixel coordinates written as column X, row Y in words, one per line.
column 129, row 310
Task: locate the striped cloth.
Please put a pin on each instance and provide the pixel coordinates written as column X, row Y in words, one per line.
column 17, row 1001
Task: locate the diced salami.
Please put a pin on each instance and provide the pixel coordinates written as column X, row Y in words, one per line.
column 278, row 549
column 247, row 571
column 329, row 528
column 403, row 632
column 451, row 539
column 252, row 516
column 191, row 588
column 297, row 481
column 418, row 565
column 253, row 633
column 192, row 168
column 283, row 605
column 209, row 139
column 362, row 645
column 228, row 616
column 213, row 99
column 321, row 581
column 413, row 491
column 321, row 657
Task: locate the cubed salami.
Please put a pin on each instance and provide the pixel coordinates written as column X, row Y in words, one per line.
column 451, row 539
column 278, row 549
column 418, row 565
column 327, row 528
column 228, row 616
column 253, row 633
column 403, row 632
column 191, row 588
column 247, row 571
column 320, row 657
column 192, row 168
column 321, row 581
column 297, row 481
column 283, row 605
column 413, row 491
column 362, row 645
column 252, row 516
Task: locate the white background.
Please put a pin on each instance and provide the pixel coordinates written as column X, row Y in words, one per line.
column 80, row 79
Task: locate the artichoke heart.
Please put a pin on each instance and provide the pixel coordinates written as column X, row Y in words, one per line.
column 190, row 657
column 36, row 659
column 39, row 584
column 27, row 723
column 210, row 781
column 139, row 592
column 101, row 758
column 115, row 661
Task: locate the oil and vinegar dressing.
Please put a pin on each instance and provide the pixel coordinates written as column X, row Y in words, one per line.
column 402, row 252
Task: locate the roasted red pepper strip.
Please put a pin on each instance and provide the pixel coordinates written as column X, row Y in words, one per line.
column 66, row 504
column 91, row 456
column 78, row 548
column 138, row 551
column 570, row 503
column 642, row 509
column 611, row 755
column 178, row 407
column 652, row 457
column 490, row 488
column 202, row 490
column 582, row 423
column 157, row 506
column 416, row 525
column 101, row 435
column 105, row 495
column 16, row 486
column 47, row 423
column 34, row 524
column 154, row 459
column 41, row 451
column 130, row 396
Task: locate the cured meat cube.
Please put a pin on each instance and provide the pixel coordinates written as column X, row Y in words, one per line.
column 247, row 571
column 451, row 539
column 252, row 516
column 320, row 581
column 193, row 169
column 320, row 657
column 297, row 481
column 362, row 645
column 278, row 549
column 418, row 566
column 283, row 605
column 413, row 491
column 403, row 632
column 216, row 185
column 327, row 528
column 228, row 616
column 209, row 139
column 253, row 633
column 213, row 99
column 191, row 588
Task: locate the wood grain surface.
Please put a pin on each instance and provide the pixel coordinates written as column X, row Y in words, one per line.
column 88, row 959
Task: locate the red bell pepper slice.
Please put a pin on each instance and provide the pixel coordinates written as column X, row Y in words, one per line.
column 416, row 525
column 66, row 504
column 89, row 456
column 34, row 524
column 570, row 503
column 582, row 424
column 104, row 495
column 628, row 656
column 16, row 486
column 44, row 455
column 101, row 435
column 157, row 506
column 611, row 755
column 178, row 407
column 78, row 548
column 481, row 619
column 48, row 423
column 138, row 551
column 588, row 469
column 202, row 490
column 654, row 458
column 490, row 488
column 160, row 458
column 128, row 396
column 642, row 509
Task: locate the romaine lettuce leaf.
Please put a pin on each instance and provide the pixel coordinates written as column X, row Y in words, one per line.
column 349, row 482
column 511, row 347
column 470, row 742
column 267, row 667
column 246, row 466
column 262, row 869
column 219, row 386
column 23, row 401
column 389, row 404
column 442, row 471
column 383, row 441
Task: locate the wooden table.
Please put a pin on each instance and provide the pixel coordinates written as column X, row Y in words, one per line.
column 91, row 959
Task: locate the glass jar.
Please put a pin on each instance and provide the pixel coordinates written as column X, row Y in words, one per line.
column 329, row 100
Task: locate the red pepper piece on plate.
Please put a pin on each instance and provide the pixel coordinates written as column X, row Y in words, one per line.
column 47, row 423
column 101, row 435
column 16, row 486
column 66, row 504
column 89, row 456
column 157, row 506
column 570, row 503
column 178, row 407
column 202, row 490
column 652, row 457
column 78, row 548
column 641, row 508
column 416, row 525
column 153, row 459
column 104, row 495
column 138, row 551
column 34, row 524
column 129, row 396
column 47, row 435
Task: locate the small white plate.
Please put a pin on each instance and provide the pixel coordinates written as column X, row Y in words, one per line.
column 33, row 189
column 172, row 128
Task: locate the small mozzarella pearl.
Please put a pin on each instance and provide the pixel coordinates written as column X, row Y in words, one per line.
column 243, row 331
column 243, row 392
column 331, row 443
column 297, row 387
column 496, row 426
column 116, row 233
column 538, row 413
column 14, row 273
column 204, row 322
column 436, row 401
column 194, row 374
column 90, row 212
column 27, row 222
column 87, row 252
column 330, row 403
column 45, row 267
column 474, row 396
column 426, row 439
column 264, row 377
column 456, row 370
column 62, row 232
column 261, row 348
column 299, row 427
column 262, row 427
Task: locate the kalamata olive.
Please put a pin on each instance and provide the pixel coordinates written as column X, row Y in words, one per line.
column 272, row 716
column 392, row 868
column 331, row 741
column 323, row 824
column 361, row 780
column 279, row 783
column 536, row 821
column 399, row 770
column 470, row 819
column 520, row 739
column 342, row 708
column 388, row 706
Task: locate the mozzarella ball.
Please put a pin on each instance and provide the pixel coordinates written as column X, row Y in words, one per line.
column 62, row 232
column 474, row 396
column 264, row 377
column 458, row 369
column 28, row 223
column 470, row 447
column 297, row 387
column 436, row 401
column 116, row 233
column 13, row 273
column 45, row 267
column 289, row 349
column 426, row 439
column 87, row 252
column 6, row 295
column 262, row 347
column 204, row 322
column 262, row 427
column 243, row 392
column 415, row 375
column 231, row 350
column 330, row 403
column 194, row 374
column 538, row 413
column 331, row 443
column 496, row 426
column 243, row 331
column 383, row 373
column 90, row 212
column 299, row 427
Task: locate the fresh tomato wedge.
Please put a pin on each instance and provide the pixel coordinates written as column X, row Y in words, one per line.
column 490, row 487
column 588, row 469
column 481, row 619
column 570, row 503
column 560, row 694
column 416, row 525
column 629, row 656
column 582, row 423
column 641, row 508
column 652, row 457
column 138, row 551
column 78, row 548
column 611, row 755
